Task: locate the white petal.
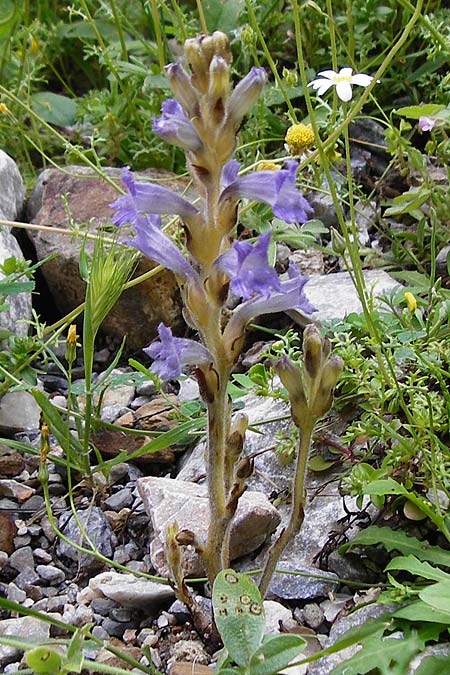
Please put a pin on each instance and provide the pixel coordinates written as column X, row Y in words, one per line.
column 329, row 74
column 322, row 86
column 345, row 72
column 362, row 79
column 344, row 91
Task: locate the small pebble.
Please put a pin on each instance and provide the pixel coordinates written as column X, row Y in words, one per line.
column 50, row 573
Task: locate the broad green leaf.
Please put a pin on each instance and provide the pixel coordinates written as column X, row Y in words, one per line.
column 421, row 612
column 239, row 614
column 438, row 596
column 384, row 655
column 318, row 463
column 433, row 665
column 416, row 111
column 54, row 108
column 276, row 652
column 414, row 566
column 397, row 540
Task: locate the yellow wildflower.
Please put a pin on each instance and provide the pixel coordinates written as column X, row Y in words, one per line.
column 299, row 137
column 411, row 301
column 3, row 109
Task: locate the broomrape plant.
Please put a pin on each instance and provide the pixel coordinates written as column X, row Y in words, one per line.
column 203, row 119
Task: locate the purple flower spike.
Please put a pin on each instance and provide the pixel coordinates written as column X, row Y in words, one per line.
column 276, row 188
column 157, row 246
column 248, row 268
column 145, row 198
column 171, row 354
column 174, row 127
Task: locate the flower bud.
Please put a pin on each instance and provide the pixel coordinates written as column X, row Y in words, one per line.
column 180, row 83
column 219, row 85
column 411, row 301
column 244, row 95
column 338, row 242
column 71, row 344
column 291, row 377
column 312, row 350
column 331, row 373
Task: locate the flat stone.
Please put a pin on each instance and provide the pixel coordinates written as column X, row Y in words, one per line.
column 130, row 591
column 12, row 488
column 25, row 627
column 50, row 573
column 88, row 197
column 334, row 295
column 167, row 500
column 18, row 412
column 22, row 559
column 119, row 500
column 98, row 531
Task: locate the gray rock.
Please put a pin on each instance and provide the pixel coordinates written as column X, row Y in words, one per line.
column 313, row 615
column 432, row 650
column 334, row 295
column 275, row 614
column 325, row 665
column 167, row 500
column 119, row 500
column 294, row 587
column 18, row 412
column 130, row 591
column 25, row 627
column 11, row 202
column 50, row 573
column 27, row 578
column 97, row 529
column 22, row 559
column 15, row 594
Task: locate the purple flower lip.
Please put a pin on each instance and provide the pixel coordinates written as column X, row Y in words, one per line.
column 174, row 127
column 276, row 188
column 248, row 268
column 143, row 199
column 171, row 354
column 289, row 296
column 154, row 244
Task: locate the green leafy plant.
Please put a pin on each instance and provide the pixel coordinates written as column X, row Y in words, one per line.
column 239, row 617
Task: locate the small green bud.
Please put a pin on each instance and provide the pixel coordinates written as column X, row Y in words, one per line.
column 43, row 660
column 338, row 242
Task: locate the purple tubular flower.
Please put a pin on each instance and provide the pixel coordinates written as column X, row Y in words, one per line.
column 174, row 127
column 426, row 123
column 276, row 188
column 289, row 296
column 145, row 198
column 182, row 87
column 229, row 173
column 245, row 94
column 157, row 246
column 248, row 268
column 171, row 354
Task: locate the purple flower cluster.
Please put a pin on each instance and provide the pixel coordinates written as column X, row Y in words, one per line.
column 246, row 266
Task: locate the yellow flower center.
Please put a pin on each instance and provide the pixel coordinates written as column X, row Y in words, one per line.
column 299, row 137
column 267, row 166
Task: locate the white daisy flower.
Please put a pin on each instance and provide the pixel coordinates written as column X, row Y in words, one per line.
column 343, row 81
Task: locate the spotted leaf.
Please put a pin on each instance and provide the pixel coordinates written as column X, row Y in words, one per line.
column 239, row 614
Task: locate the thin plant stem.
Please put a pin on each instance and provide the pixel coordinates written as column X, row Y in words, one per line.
column 158, row 35
column 201, row 16
column 297, row 509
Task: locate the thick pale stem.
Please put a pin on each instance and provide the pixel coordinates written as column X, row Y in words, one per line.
column 297, row 509
column 217, row 548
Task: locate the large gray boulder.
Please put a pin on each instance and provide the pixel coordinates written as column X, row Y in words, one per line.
column 14, row 318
